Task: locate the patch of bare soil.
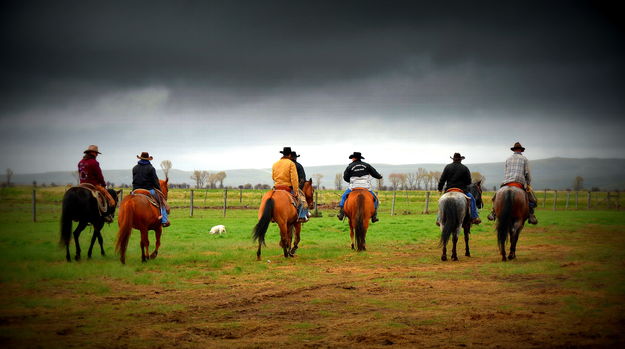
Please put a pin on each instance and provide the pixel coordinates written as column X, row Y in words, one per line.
column 394, row 303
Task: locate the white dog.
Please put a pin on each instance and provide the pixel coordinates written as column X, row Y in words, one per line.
column 218, row 229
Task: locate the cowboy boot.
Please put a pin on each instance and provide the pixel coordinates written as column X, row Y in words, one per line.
column 476, row 221
column 166, row 224
column 491, row 216
column 374, row 218
column 341, row 214
column 108, row 218
column 532, row 218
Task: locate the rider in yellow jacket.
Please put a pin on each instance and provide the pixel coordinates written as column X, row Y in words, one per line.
column 284, row 175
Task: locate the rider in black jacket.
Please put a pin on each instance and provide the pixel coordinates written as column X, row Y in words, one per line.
column 457, row 175
column 144, row 177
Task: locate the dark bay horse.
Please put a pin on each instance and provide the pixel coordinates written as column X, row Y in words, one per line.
column 136, row 211
column 511, row 210
column 276, row 207
column 359, row 207
column 453, row 213
column 80, row 206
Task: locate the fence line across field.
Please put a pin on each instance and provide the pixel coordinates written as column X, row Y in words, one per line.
column 390, row 202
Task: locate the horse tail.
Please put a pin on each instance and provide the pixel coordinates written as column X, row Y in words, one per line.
column 263, row 223
column 450, row 220
column 126, row 213
column 66, row 220
column 360, row 222
column 505, row 220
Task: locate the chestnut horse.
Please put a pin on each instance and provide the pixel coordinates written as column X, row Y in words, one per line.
column 511, row 209
column 137, row 212
column 79, row 205
column 359, row 208
column 276, row 207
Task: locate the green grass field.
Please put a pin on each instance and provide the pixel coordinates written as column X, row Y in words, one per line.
column 566, row 289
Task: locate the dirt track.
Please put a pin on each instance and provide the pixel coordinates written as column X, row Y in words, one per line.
column 451, row 304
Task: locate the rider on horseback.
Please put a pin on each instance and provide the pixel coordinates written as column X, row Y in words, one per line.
column 301, row 178
column 89, row 172
column 144, row 177
column 517, row 170
column 458, row 176
column 285, row 177
column 358, row 174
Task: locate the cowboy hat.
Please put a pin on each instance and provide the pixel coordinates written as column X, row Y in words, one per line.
column 294, row 154
column 356, row 155
column 517, row 145
column 145, row 156
column 286, row 151
column 457, row 156
column 93, row 148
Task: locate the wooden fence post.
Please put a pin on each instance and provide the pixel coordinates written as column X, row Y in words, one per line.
column 393, row 203
column 588, row 202
column 34, row 205
column 191, row 203
column 225, row 201
column 121, row 196
column 568, row 196
column 576, row 198
column 316, row 200
column 427, row 202
column 545, row 199
column 241, row 195
column 555, row 199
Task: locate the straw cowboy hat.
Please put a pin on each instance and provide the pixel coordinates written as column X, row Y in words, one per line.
column 516, row 146
column 457, row 156
column 145, row 156
column 356, row 155
column 92, row 148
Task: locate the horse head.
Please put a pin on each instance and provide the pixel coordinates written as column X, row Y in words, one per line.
column 163, row 184
column 476, row 189
column 308, row 193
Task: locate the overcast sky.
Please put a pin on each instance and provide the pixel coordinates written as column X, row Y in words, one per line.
column 220, row 85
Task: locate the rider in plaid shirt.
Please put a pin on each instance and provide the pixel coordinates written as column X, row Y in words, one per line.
column 517, row 169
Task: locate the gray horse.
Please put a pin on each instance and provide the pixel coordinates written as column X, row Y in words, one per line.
column 453, row 213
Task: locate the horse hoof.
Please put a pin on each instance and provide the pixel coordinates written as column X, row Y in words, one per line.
column 511, row 257
column 77, row 258
column 153, row 255
column 443, row 258
column 454, row 258
column 353, row 247
column 503, row 259
column 467, row 254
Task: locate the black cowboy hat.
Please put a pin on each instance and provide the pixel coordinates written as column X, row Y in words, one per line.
column 294, row 154
column 286, row 151
column 457, row 156
column 517, row 145
column 356, row 155
column 145, row 156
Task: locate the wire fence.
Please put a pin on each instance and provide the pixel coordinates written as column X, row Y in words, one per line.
column 405, row 202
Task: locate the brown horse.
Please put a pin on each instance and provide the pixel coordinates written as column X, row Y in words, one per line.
column 276, row 207
column 511, row 209
column 137, row 212
column 359, row 208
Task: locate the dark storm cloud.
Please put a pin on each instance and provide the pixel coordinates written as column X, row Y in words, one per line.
column 563, row 54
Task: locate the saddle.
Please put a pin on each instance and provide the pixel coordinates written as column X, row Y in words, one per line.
column 103, row 206
column 515, row 184
column 457, row 190
column 294, row 199
column 155, row 201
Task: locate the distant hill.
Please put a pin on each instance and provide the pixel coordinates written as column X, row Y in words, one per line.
column 553, row 173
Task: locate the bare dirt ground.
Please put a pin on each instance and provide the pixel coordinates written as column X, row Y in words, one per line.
column 470, row 303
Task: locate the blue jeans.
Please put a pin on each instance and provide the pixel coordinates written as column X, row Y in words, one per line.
column 472, row 206
column 349, row 190
column 163, row 210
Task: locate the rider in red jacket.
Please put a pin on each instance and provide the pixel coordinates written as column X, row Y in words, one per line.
column 90, row 172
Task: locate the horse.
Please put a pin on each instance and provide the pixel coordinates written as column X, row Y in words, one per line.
column 511, row 209
column 359, row 208
column 453, row 213
column 136, row 211
column 276, row 207
column 80, row 206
